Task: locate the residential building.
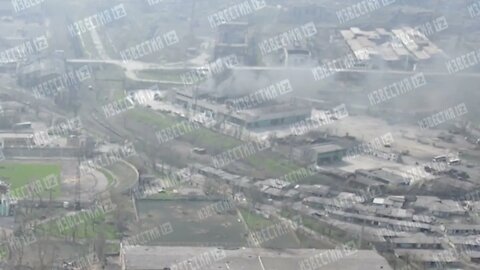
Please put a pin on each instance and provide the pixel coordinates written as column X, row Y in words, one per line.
column 417, row 241
column 328, row 153
column 383, row 176
column 438, row 207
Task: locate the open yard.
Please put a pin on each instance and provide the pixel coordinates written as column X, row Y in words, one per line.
column 188, row 228
column 255, row 221
column 149, row 117
column 258, row 224
column 87, row 229
column 21, row 174
column 205, row 138
column 272, row 164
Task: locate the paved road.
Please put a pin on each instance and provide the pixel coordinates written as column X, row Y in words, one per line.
column 132, row 67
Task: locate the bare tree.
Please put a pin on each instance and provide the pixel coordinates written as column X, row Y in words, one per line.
column 18, row 255
column 210, row 187
column 42, row 254
column 74, row 233
column 99, row 247
column 85, row 227
column 4, row 253
column 152, row 155
column 35, row 192
column 120, row 214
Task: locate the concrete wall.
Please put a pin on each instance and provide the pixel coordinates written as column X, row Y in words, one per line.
column 54, row 203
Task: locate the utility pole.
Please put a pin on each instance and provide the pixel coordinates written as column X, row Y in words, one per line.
column 192, row 22
column 78, row 175
column 360, row 239
column 195, row 97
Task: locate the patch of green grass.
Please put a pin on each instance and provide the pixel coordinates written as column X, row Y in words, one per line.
column 89, row 47
column 325, row 229
column 21, row 174
column 87, row 229
column 109, row 72
column 254, row 221
column 4, row 251
column 271, row 163
column 118, row 94
column 150, row 117
column 165, row 75
column 162, row 196
column 108, row 175
column 332, row 232
column 203, row 137
column 209, row 139
column 111, row 248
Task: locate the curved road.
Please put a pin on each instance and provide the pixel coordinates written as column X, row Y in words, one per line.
column 131, row 67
